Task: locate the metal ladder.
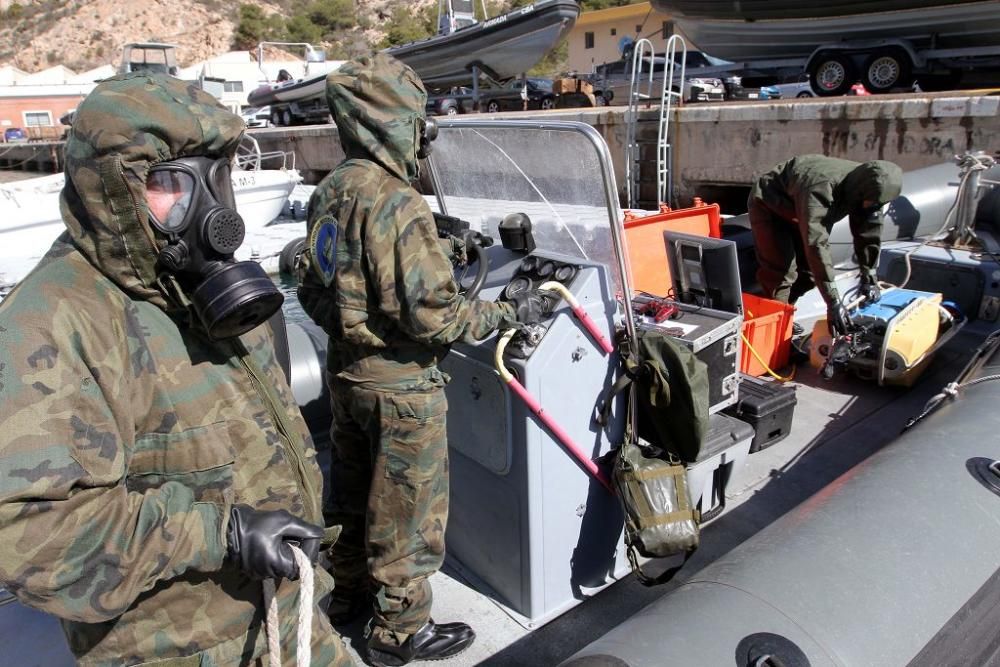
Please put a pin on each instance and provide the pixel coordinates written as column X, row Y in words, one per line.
column 641, row 90
column 636, row 95
column 664, row 145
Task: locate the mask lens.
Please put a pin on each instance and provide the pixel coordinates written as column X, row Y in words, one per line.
column 168, row 196
column 220, row 180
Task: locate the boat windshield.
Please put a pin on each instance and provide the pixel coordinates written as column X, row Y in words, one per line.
column 558, row 173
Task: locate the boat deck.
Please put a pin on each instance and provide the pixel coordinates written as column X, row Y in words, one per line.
column 837, row 424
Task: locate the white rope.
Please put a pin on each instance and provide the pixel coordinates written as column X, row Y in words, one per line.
column 303, row 649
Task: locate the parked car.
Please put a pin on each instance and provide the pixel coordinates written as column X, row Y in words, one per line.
column 799, row 87
column 509, row 97
column 450, row 102
column 770, row 93
column 735, row 90
column 257, row 117
column 14, row 134
column 612, row 80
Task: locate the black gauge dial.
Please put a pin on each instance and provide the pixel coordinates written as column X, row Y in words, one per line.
column 518, row 285
column 528, row 264
column 565, row 273
column 546, row 269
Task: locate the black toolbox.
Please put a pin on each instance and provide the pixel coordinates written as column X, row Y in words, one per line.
column 767, row 406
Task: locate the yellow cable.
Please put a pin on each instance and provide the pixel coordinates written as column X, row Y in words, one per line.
column 779, row 378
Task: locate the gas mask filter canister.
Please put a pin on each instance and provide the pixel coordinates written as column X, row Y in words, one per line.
column 428, row 133
column 191, row 203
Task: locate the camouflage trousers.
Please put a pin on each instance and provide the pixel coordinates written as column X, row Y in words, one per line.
column 389, row 492
column 327, row 648
column 783, row 267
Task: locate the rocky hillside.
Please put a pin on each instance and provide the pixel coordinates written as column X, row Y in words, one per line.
column 82, row 34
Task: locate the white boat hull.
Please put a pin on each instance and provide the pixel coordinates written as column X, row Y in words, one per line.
column 974, row 24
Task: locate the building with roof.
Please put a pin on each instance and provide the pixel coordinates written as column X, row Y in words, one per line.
column 598, row 36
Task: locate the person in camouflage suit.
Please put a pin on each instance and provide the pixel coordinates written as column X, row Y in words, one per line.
column 147, row 470
column 374, row 275
column 792, row 209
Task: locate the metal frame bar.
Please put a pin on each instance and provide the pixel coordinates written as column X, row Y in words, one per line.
column 610, row 189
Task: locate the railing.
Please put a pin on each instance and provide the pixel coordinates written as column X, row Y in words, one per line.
column 249, row 157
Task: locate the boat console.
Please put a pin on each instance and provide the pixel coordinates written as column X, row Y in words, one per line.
column 528, row 523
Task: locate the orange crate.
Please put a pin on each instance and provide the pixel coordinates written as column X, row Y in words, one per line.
column 647, row 250
column 767, row 324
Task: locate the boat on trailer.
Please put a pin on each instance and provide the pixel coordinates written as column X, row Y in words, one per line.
column 762, row 29
column 501, row 47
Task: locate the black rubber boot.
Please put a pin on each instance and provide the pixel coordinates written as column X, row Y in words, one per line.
column 431, row 642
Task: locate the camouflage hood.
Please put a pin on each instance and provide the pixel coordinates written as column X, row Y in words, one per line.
column 378, row 105
column 126, row 125
column 878, row 181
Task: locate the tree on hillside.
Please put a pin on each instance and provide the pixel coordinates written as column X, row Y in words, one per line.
column 405, row 26
column 332, row 15
column 254, row 27
column 300, row 28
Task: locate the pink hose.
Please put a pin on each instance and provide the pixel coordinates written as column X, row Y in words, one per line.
column 592, row 329
column 580, row 314
column 559, row 433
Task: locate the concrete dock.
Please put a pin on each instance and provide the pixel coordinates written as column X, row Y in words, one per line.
column 719, row 147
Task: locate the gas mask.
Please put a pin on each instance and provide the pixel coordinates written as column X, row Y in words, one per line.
column 191, row 203
column 428, row 133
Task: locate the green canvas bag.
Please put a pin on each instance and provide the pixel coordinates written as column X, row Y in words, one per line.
column 670, row 387
column 659, row 518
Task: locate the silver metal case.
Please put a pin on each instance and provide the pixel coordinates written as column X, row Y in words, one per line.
column 714, row 337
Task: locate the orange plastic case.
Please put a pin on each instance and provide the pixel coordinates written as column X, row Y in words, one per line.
column 767, row 325
column 647, row 250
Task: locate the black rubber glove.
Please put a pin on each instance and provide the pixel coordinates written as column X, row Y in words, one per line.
column 869, row 289
column 529, row 308
column 258, row 542
column 838, row 319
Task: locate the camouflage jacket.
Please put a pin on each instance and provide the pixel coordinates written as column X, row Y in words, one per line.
column 125, row 434
column 373, row 273
column 815, row 191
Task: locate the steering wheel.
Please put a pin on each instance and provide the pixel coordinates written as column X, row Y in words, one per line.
column 476, row 255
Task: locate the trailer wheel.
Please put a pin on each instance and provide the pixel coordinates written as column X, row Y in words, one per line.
column 286, row 118
column 832, row 74
column 492, row 107
column 887, row 69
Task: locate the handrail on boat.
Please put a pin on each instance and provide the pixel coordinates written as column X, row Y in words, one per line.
column 250, row 157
